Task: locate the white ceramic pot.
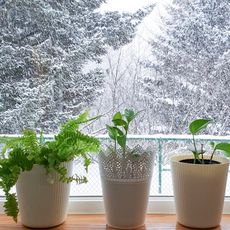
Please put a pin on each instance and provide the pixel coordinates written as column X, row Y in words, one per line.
column 199, row 191
column 42, row 198
column 125, row 203
column 125, row 185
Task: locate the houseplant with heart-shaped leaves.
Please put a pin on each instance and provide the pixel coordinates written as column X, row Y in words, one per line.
column 199, row 181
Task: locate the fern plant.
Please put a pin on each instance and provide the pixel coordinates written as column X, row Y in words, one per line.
column 21, row 153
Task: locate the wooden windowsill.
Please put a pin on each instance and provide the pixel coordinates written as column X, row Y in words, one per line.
column 98, row 222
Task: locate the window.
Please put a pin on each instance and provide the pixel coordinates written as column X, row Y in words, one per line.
column 170, row 59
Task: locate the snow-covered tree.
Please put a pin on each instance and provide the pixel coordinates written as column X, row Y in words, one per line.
column 186, row 69
column 45, row 47
column 124, row 73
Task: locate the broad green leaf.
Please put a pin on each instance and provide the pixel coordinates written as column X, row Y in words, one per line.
column 121, row 125
column 198, row 125
column 117, row 115
column 112, row 132
column 119, row 132
column 225, row 147
column 129, row 115
column 121, row 141
column 120, row 122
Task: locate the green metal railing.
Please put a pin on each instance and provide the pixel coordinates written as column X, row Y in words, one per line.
column 158, row 141
column 161, row 139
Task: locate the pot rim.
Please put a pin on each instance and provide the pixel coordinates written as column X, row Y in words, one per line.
column 221, row 159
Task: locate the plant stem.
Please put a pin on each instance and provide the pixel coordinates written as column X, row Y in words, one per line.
column 115, row 146
column 202, row 152
column 212, row 156
column 194, row 143
column 126, row 133
column 124, row 149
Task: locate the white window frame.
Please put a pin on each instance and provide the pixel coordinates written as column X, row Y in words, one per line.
column 95, row 205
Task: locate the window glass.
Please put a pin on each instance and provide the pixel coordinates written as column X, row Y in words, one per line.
column 169, row 59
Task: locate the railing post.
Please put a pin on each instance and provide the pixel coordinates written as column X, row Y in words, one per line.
column 159, row 166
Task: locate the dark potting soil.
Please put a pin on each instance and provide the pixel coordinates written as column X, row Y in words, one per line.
column 206, row 162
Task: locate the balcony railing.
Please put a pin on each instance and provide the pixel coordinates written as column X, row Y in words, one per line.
column 163, row 145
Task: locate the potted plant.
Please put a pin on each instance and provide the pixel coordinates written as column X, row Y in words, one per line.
column 125, row 175
column 41, row 171
column 199, row 182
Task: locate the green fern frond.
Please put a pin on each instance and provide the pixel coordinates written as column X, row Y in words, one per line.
column 27, row 150
column 87, row 162
column 27, row 142
column 63, row 173
column 70, row 126
column 18, row 158
column 70, row 144
column 82, row 118
column 11, row 206
column 30, row 144
column 8, row 174
column 73, row 124
column 77, row 179
column 88, row 143
column 10, row 144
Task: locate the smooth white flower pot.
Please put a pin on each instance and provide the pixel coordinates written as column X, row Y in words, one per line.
column 42, row 198
column 125, row 185
column 125, row 203
column 199, row 191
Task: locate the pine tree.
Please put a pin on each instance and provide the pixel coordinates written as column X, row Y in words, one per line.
column 195, row 35
column 49, row 52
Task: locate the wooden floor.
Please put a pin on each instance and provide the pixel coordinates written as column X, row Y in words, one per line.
column 97, row 222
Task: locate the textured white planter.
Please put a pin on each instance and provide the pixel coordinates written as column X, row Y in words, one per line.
column 199, row 191
column 125, row 185
column 42, row 198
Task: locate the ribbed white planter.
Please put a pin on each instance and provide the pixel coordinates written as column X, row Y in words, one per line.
column 125, row 185
column 199, row 191
column 42, row 198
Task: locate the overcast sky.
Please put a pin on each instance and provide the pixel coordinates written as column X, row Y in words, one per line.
column 149, row 26
column 127, row 5
column 133, row 5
